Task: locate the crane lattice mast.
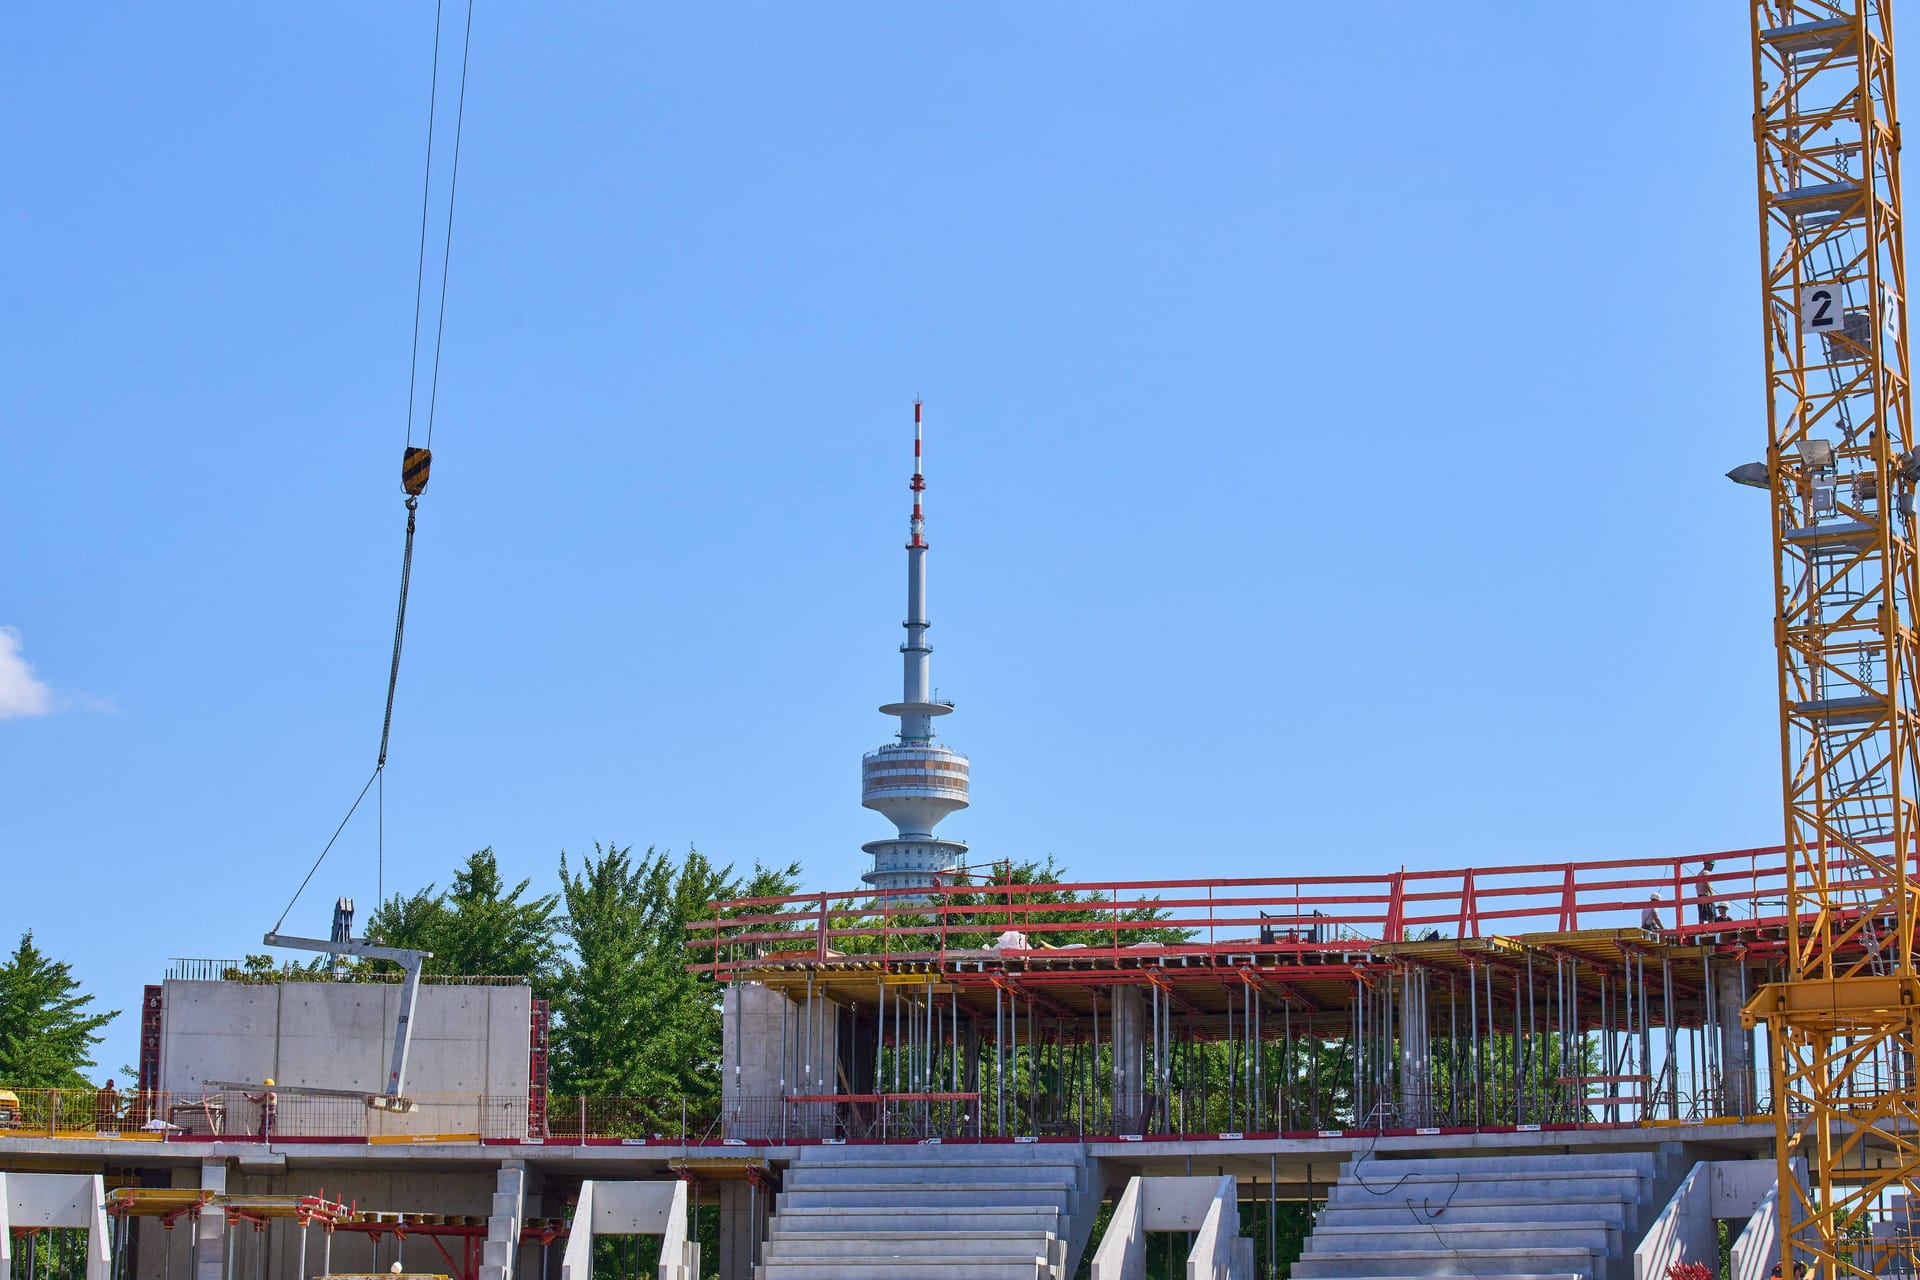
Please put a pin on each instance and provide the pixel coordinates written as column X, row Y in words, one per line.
column 1840, row 469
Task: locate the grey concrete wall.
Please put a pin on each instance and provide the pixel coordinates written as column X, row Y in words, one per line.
column 1736, row 1044
column 1128, row 1031
column 744, row 1214
column 467, row 1040
column 768, row 1052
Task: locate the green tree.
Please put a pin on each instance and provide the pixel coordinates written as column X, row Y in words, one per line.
column 976, row 918
column 479, row 927
column 601, row 1011
column 46, row 1034
column 629, row 1019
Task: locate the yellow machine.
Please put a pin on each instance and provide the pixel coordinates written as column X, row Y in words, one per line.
column 1840, row 468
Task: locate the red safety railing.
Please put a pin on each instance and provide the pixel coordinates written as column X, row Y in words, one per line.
column 1256, row 914
column 286, row 1116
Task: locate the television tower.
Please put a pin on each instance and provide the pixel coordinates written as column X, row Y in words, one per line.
column 915, row 781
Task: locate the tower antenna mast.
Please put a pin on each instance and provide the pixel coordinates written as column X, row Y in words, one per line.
column 915, row 781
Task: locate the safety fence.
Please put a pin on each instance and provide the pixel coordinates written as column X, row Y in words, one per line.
column 234, row 1115
column 1025, row 1111
column 203, row 969
column 1681, row 899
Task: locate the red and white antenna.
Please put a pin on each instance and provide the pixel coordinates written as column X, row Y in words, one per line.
column 918, row 485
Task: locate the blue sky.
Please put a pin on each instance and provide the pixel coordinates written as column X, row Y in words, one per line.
column 1325, row 428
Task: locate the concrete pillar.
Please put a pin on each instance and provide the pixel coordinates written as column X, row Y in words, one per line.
column 1129, row 1029
column 1416, row 1064
column 534, row 1188
column 744, row 1211
column 212, row 1225
column 772, row 1047
column 1736, row 1046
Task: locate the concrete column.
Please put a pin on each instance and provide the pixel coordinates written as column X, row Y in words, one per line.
column 769, row 1051
column 1129, row 1031
column 1736, row 1047
column 534, row 1189
column 1416, row 1064
column 744, row 1212
column 212, row 1225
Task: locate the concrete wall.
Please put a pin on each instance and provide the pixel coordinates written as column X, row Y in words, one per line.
column 69, row 1200
column 1209, row 1207
column 467, row 1040
column 633, row 1209
column 1685, row 1229
column 769, row 1052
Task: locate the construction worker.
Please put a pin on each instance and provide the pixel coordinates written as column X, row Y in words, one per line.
column 267, row 1100
column 106, row 1108
column 1650, row 918
column 1703, row 891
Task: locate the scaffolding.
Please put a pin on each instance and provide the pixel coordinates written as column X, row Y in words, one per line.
column 1524, row 997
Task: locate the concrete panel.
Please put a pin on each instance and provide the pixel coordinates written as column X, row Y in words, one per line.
column 1177, row 1204
column 630, row 1209
column 210, row 1229
column 1737, row 1187
column 76, row 1201
column 1127, row 1032
column 1684, row 1231
column 744, row 1213
column 636, row 1208
column 1207, row 1206
column 339, row 1035
column 768, row 1052
column 52, row 1199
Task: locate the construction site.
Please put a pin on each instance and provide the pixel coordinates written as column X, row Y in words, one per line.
column 1612, row 1069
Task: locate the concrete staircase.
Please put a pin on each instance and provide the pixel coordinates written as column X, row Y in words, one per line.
column 929, row 1213
column 1518, row 1217
column 503, row 1225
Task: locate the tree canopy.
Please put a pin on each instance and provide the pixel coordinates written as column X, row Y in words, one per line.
column 987, row 908
column 478, row 927
column 46, row 1033
column 629, row 1020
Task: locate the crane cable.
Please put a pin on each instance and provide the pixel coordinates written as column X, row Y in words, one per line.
column 416, row 463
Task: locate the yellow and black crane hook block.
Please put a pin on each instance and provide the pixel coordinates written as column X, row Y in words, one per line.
column 413, row 470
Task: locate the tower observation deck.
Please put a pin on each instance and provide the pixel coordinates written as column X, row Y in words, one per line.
column 914, row 782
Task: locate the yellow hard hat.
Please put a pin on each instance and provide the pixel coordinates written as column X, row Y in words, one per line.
column 269, row 1082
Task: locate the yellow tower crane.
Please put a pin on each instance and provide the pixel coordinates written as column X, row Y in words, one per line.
column 1840, row 468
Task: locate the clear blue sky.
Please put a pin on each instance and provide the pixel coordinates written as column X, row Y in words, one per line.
column 1326, row 421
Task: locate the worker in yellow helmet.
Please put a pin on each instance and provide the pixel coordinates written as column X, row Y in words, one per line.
column 267, row 1100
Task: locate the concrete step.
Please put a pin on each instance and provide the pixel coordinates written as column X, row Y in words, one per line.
column 945, row 1153
column 1009, row 1219
column 1601, row 1237
column 888, row 1244
column 939, row 1180
column 1551, row 1165
column 1485, row 1275
column 873, row 1171
column 1380, row 1184
column 1371, row 1264
column 1388, row 1211
column 929, row 1266
column 923, row 1196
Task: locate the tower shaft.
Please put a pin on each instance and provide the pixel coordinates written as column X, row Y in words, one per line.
column 915, row 782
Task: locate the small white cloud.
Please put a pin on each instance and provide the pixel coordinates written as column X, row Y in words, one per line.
column 20, row 693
